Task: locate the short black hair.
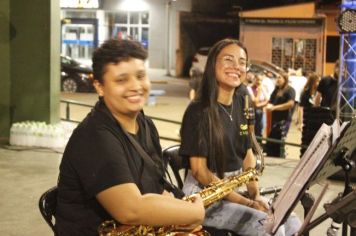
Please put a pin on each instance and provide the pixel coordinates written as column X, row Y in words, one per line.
column 115, row 51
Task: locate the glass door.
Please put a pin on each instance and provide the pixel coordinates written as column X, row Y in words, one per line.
column 79, row 39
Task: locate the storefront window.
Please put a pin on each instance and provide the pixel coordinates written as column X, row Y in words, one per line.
column 134, row 33
column 121, row 18
column 131, row 25
column 134, row 18
column 78, row 38
column 292, row 53
column 144, row 39
column 144, row 17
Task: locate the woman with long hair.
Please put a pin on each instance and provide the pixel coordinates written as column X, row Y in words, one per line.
column 215, row 142
column 308, row 95
column 309, row 90
column 280, row 104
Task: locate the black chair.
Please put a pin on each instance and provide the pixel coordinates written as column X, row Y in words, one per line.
column 47, row 205
column 171, row 156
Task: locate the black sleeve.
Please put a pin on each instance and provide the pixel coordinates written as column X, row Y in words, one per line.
column 290, row 95
column 322, row 86
column 273, row 96
column 191, row 144
column 304, row 98
column 99, row 160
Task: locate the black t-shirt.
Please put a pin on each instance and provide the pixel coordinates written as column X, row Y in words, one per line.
column 97, row 157
column 236, row 134
column 328, row 89
column 287, row 95
column 305, row 99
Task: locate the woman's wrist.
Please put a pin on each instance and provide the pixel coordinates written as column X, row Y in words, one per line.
column 250, row 203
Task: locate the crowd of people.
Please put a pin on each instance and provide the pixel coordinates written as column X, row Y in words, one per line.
column 112, row 167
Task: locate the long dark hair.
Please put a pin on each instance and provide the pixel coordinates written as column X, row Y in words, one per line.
column 285, row 87
column 207, row 95
column 312, row 83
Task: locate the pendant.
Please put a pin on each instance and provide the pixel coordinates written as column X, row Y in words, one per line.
column 230, row 117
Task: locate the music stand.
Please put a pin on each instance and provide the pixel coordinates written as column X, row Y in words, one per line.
column 317, row 163
column 343, row 208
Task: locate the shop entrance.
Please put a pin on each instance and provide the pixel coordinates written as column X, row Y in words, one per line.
column 79, row 38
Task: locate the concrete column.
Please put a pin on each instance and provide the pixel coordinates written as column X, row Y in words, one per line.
column 4, row 69
column 29, row 62
column 35, row 61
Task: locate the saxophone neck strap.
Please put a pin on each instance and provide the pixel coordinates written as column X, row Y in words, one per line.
column 159, row 169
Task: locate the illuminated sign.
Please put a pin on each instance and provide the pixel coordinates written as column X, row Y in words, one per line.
column 79, row 3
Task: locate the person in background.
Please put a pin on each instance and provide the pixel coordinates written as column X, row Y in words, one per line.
column 219, row 145
column 194, row 82
column 260, row 99
column 308, row 95
column 280, row 104
column 102, row 175
column 327, row 90
column 268, row 82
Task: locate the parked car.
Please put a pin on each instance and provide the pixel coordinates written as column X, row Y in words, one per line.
column 255, row 67
column 258, row 67
column 75, row 76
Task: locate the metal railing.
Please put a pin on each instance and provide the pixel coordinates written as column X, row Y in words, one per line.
column 69, row 102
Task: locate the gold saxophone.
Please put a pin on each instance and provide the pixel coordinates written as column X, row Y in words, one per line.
column 214, row 192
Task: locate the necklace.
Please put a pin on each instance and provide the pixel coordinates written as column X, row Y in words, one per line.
column 227, row 113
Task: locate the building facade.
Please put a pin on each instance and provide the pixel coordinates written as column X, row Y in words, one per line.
column 294, row 37
column 87, row 24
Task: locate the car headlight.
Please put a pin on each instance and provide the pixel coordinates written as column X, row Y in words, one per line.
column 84, row 76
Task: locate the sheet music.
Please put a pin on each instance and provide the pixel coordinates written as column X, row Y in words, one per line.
column 296, row 184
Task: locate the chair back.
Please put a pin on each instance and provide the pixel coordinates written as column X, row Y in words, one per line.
column 171, row 155
column 47, row 205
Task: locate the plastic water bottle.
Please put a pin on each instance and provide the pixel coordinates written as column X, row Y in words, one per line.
column 58, row 137
column 37, row 134
column 14, row 132
column 31, row 134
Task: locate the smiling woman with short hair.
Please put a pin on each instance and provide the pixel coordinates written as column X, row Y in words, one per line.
column 103, row 175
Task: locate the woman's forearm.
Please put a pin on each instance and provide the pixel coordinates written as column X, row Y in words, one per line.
column 283, row 106
column 172, row 211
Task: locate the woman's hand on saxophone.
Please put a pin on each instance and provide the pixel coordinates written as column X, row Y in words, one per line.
column 260, row 204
